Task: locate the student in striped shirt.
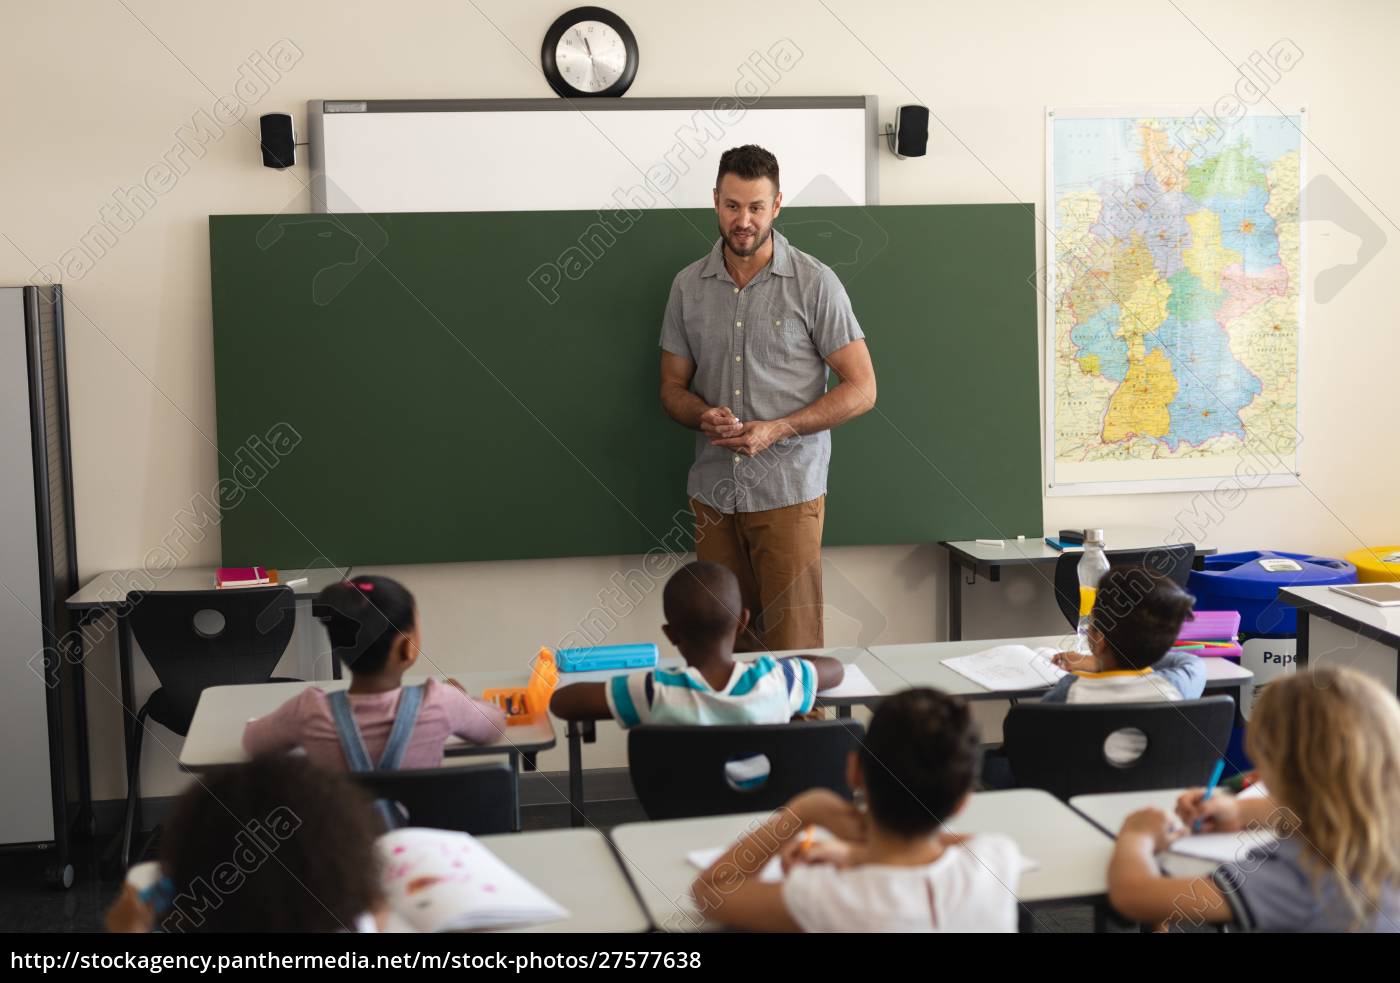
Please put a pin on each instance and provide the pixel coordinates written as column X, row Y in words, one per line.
column 704, row 617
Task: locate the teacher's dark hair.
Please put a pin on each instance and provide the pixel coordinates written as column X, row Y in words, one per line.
column 919, row 759
column 749, row 162
column 364, row 616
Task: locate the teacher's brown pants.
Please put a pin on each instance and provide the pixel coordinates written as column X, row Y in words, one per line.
column 777, row 556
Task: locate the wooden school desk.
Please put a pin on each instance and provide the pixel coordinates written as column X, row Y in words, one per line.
column 107, row 592
column 216, row 733
column 921, row 664
column 1107, row 811
column 1334, row 630
column 1070, row 853
column 979, row 558
column 578, row 869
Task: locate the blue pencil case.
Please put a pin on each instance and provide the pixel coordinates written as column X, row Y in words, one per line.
column 641, row 656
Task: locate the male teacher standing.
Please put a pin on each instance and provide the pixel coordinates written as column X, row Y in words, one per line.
column 749, row 333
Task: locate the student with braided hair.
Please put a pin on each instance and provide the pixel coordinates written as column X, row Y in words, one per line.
column 377, row 722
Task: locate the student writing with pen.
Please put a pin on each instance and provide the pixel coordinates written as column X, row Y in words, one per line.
column 1327, row 743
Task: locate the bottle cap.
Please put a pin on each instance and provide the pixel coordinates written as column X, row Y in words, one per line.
column 1093, row 536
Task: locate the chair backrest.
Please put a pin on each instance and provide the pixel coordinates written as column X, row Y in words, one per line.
column 713, row 770
column 203, row 638
column 476, row 799
column 1172, row 562
column 1060, row 747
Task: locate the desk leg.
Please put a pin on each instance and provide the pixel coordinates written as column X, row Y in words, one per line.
column 129, row 723
column 954, row 599
column 1300, row 657
column 55, row 659
column 576, row 814
column 515, row 785
column 80, row 726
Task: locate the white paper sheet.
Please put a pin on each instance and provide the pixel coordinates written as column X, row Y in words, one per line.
column 1008, row 668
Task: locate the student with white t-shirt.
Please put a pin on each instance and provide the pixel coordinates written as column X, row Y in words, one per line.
column 890, row 866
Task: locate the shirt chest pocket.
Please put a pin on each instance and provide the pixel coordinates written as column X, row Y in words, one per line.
column 780, row 339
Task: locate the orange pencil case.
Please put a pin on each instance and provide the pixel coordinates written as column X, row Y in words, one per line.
column 525, row 704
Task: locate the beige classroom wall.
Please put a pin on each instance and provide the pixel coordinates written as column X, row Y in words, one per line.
column 99, row 95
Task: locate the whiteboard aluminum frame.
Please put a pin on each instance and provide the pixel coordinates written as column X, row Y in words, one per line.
column 318, row 109
column 1146, row 486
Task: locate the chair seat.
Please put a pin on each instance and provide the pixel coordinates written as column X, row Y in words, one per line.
column 170, row 713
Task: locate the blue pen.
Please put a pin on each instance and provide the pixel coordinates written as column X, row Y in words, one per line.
column 1210, row 787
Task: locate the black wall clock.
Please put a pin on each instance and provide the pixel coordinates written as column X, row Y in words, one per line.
column 589, row 52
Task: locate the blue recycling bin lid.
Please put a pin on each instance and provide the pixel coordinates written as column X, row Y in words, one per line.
column 1260, row 573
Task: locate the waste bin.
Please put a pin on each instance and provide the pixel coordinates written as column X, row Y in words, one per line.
column 1375, row 564
column 1249, row 582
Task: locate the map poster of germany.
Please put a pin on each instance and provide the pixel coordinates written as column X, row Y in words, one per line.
column 1174, row 305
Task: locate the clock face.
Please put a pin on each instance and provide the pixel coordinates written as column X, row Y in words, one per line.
column 589, row 52
column 590, row 56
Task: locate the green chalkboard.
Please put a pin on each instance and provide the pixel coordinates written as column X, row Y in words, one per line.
column 412, row 388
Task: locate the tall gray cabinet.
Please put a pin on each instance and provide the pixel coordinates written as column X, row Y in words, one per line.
column 43, row 771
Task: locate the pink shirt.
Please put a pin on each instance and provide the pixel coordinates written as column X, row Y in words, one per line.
column 305, row 721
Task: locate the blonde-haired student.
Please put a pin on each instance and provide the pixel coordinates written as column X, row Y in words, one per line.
column 1327, row 743
column 892, row 867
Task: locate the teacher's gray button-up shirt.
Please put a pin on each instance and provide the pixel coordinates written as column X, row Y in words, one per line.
column 762, row 352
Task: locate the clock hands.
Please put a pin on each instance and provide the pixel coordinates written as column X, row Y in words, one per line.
column 579, row 68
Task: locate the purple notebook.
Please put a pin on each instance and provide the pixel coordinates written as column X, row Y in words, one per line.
column 1210, row 626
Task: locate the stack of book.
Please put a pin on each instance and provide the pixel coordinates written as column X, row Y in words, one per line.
column 244, row 577
column 1210, row 633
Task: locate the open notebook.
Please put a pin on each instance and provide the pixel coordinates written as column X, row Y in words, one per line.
column 1008, row 668
column 438, row 881
column 1222, row 848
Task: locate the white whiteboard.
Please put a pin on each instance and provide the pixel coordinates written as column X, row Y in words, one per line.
column 540, row 154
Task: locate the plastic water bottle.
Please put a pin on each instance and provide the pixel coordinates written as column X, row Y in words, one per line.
column 1092, row 566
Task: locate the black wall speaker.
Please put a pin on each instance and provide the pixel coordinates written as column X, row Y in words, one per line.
column 279, row 140
column 909, row 135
